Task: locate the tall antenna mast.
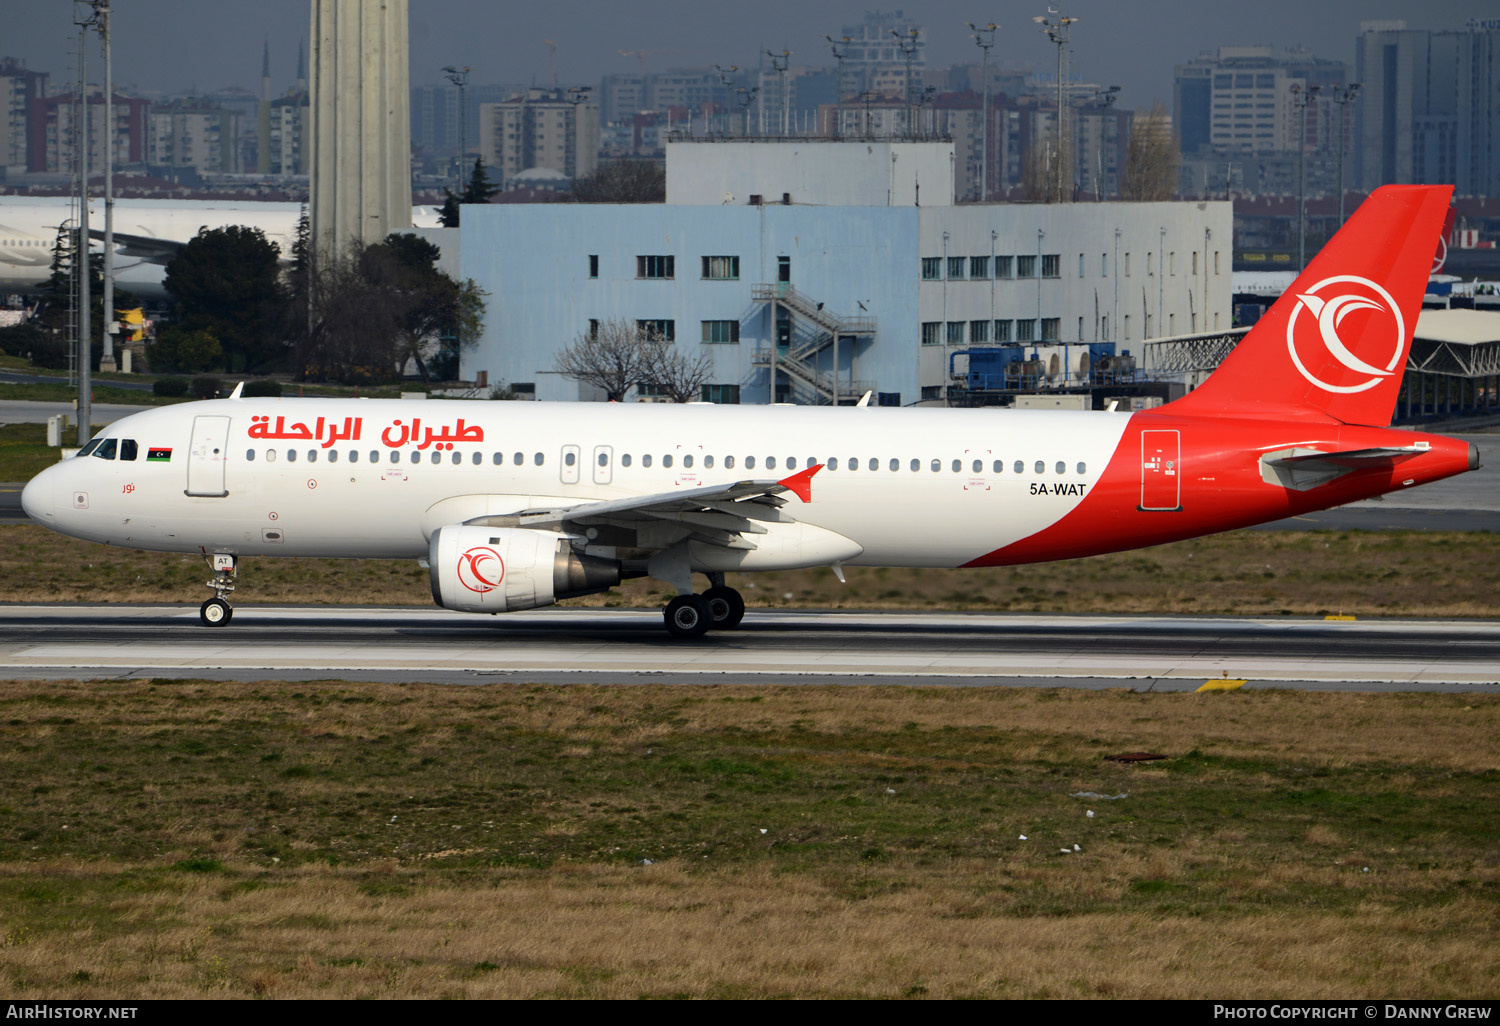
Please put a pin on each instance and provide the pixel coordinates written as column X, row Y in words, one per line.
column 840, row 49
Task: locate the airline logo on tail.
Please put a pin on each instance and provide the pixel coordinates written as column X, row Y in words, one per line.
column 1314, row 329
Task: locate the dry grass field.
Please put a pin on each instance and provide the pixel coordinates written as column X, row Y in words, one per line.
column 1253, row 573
column 329, row 839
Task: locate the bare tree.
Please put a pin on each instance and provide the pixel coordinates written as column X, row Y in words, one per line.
column 1041, row 177
column 1151, row 160
column 675, row 374
column 611, row 358
column 622, row 181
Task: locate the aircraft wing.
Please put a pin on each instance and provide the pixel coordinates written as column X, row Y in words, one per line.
column 717, row 514
column 144, row 247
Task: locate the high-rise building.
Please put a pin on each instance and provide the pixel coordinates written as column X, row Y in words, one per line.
column 53, row 125
column 19, row 87
column 193, row 134
column 1245, row 98
column 542, row 128
column 1430, row 106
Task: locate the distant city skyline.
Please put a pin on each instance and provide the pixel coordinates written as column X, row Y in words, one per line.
column 168, row 47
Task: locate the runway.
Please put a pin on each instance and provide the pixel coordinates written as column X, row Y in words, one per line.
column 619, row 647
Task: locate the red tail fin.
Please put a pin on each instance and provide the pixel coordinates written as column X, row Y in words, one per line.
column 1335, row 343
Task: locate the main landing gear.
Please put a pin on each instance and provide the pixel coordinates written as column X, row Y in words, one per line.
column 217, row 612
column 720, row 608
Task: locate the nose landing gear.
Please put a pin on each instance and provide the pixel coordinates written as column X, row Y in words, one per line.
column 217, row 612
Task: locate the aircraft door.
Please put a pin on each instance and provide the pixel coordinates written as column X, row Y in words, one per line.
column 1161, row 471
column 569, row 465
column 604, row 457
column 206, row 456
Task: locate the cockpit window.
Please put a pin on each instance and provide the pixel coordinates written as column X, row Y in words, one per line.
column 128, row 449
column 107, row 448
column 88, row 450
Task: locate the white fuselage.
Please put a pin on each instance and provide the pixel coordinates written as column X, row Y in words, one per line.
column 911, row 487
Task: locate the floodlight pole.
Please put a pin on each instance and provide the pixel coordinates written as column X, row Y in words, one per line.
column 460, row 77
column 1343, row 96
column 907, row 43
column 1056, row 28
column 840, row 49
column 1300, row 100
column 984, row 38
column 780, row 62
column 81, row 266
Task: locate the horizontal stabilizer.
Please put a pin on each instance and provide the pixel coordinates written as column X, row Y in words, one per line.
column 1302, row 469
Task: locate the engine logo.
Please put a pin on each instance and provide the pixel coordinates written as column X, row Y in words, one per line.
column 480, row 569
column 1317, row 334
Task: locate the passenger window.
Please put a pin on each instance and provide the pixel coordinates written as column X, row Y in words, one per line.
column 106, row 450
column 499, row 459
column 1019, row 467
column 333, row 455
column 539, row 459
column 833, row 463
column 568, row 458
column 416, row 457
column 1062, row 468
column 437, row 457
column 270, row 455
column 979, row 466
column 291, row 455
column 770, row 462
column 625, row 460
column 687, row 461
column 353, row 455
column 1083, row 468
column 312, row 455
column 999, row 466
column 395, row 456
column 937, row 465
column 916, row 465
column 666, row 461
column 604, row 459
column 708, row 462
column 249, row 455
column 128, row 449
column 749, row 462
column 1041, row 468
column 895, row 464
column 646, row 460
column 728, row 462
column 958, row 465
column 457, row 458
column 874, row 463
column 518, row 459
column 791, row 463
column 477, row 459
column 854, row 463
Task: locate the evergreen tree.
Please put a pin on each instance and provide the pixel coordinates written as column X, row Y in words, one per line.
column 479, row 189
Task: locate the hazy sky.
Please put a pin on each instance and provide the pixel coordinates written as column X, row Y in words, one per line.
column 176, row 45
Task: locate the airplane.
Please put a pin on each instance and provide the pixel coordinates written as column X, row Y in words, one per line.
column 516, row 505
column 147, row 234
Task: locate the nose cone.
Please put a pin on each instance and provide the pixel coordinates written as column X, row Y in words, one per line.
column 37, row 497
column 1473, row 456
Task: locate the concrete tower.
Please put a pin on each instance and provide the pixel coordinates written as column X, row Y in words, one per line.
column 361, row 124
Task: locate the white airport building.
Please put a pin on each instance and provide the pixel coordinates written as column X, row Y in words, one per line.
column 835, row 268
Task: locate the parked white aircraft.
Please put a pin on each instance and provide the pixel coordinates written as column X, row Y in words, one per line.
column 518, row 505
column 147, row 234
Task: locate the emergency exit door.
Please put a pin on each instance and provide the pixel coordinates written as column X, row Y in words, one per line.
column 1161, row 471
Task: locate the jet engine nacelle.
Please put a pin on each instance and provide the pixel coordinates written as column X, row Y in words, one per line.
column 498, row 569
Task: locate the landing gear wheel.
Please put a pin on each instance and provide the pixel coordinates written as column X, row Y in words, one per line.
column 726, row 608
column 215, row 613
column 687, row 616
